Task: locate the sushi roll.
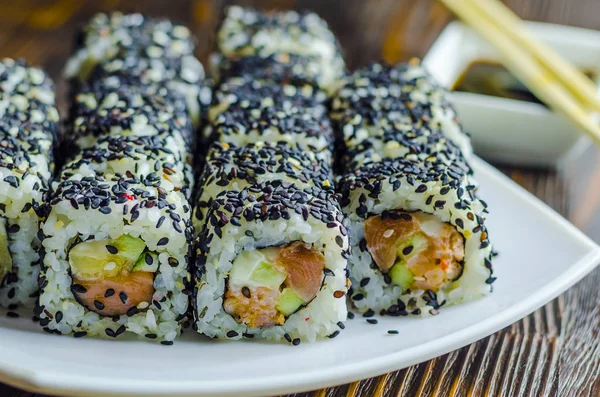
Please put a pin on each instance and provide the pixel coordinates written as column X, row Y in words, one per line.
column 280, row 44
column 417, row 227
column 28, row 129
column 375, row 98
column 153, row 50
column 245, row 110
column 418, row 236
column 117, row 230
column 116, row 251
column 271, row 263
column 113, row 106
column 230, row 167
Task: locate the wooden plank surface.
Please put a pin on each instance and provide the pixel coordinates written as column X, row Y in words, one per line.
column 555, row 351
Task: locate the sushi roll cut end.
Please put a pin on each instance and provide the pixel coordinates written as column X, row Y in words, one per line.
column 111, row 277
column 268, row 284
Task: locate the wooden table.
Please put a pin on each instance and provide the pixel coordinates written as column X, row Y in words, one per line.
column 552, row 352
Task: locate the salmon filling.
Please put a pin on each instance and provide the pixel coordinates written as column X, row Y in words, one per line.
column 267, row 285
column 416, row 250
column 5, row 256
column 113, row 277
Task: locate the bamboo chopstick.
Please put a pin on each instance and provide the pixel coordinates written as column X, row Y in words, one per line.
column 540, row 80
column 578, row 83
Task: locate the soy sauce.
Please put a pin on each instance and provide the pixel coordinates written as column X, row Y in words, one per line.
column 493, row 79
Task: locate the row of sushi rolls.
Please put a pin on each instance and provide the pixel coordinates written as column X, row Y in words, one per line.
column 262, row 202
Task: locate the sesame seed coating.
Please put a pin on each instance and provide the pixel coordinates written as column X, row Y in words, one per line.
column 245, row 110
column 378, row 97
column 228, row 165
column 28, row 136
column 116, row 35
column 301, row 42
column 113, row 106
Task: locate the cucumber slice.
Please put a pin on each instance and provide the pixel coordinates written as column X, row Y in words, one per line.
column 255, row 269
column 289, row 302
column 130, row 248
column 99, row 259
column 411, row 246
column 401, row 276
column 147, row 262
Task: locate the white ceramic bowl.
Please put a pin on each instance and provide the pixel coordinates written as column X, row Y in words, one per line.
column 506, row 130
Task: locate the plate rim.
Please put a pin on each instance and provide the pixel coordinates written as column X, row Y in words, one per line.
column 47, row 381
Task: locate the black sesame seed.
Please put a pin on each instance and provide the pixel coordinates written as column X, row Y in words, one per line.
column 12, row 180
column 358, row 297
column 333, row 335
column 166, row 342
column 341, row 325
column 132, row 311
column 123, row 297
column 350, row 316
column 163, row 241
column 407, row 250
column 13, row 314
column 58, row 317
column 112, row 249
column 79, row 334
column 109, row 292
column 232, row 334
column 78, row 289
column 393, row 332
column 246, row 292
column 99, row 305
column 372, row 321
column 287, row 337
column 151, row 336
column 364, row 281
column 109, row 332
column 296, row 341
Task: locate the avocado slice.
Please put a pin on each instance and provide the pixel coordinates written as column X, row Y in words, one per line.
column 411, row 246
column 147, row 262
column 289, row 302
column 401, row 276
column 5, row 257
column 256, row 269
column 92, row 260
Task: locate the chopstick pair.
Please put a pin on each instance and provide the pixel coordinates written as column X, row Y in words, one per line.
column 551, row 78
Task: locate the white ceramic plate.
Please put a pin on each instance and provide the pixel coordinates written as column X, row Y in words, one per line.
column 541, row 255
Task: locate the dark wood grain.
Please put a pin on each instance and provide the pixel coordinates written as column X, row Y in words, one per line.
column 554, row 351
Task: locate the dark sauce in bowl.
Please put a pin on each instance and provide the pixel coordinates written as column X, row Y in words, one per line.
column 493, row 79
